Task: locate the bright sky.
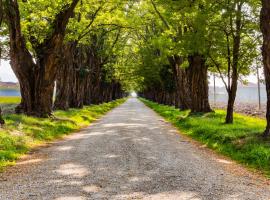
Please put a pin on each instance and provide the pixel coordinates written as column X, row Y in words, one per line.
column 251, row 78
column 7, row 75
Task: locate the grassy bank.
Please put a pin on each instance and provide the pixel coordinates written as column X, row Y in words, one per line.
column 21, row 133
column 241, row 141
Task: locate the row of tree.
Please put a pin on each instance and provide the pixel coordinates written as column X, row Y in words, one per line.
column 95, row 50
column 177, row 44
column 185, row 40
column 60, row 42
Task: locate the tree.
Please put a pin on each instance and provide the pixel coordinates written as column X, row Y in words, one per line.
column 36, row 71
column 181, row 37
column 265, row 28
column 235, row 32
column 1, row 19
column 90, row 38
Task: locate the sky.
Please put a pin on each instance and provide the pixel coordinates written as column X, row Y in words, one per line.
column 7, row 75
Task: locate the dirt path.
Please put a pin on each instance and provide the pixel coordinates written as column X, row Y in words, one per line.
column 131, row 153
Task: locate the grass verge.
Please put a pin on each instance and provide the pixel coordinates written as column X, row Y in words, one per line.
column 21, row 132
column 240, row 141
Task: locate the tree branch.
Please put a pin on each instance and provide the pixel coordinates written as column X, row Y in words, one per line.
column 160, row 16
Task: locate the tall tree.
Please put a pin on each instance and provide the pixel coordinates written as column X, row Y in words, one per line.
column 36, row 71
column 234, row 32
column 265, row 28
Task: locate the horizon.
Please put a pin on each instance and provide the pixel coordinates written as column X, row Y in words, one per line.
column 7, row 75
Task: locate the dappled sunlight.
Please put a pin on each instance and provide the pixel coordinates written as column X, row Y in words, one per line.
column 111, row 156
column 139, row 179
column 96, row 133
column 74, row 170
column 160, row 196
column 61, row 182
column 91, row 188
column 85, row 135
column 64, row 148
column 184, row 195
column 56, row 181
column 131, row 195
column 142, row 139
column 31, row 161
column 71, row 198
column 126, row 125
column 224, row 161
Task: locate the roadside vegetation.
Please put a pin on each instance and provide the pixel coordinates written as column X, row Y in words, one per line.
column 21, row 133
column 240, row 140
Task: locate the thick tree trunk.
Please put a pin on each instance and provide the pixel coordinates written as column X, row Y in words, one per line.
column 183, row 100
column 265, row 28
column 78, row 80
column 77, row 94
column 91, row 62
column 198, row 81
column 36, row 79
column 96, row 83
column 64, row 79
column 87, row 92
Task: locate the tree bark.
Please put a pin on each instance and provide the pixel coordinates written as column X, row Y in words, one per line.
column 2, row 121
column 183, row 100
column 36, row 79
column 64, row 79
column 198, row 81
column 265, row 28
column 79, row 77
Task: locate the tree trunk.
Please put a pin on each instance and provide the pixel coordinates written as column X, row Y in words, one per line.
column 2, row 121
column 79, row 80
column 235, row 72
column 64, row 79
column 183, row 100
column 230, row 107
column 265, row 28
column 231, row 96
column 198, row 81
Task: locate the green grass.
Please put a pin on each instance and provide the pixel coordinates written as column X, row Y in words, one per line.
column 21, row 133
column 9, row 100
column 240, row 141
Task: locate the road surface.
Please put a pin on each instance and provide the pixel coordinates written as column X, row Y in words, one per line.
column 131, row 153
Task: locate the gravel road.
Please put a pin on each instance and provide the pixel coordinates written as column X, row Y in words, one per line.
column 131, row 153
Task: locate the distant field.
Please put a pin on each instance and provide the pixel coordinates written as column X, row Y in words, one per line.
column 9, row 100
column 9, row 88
